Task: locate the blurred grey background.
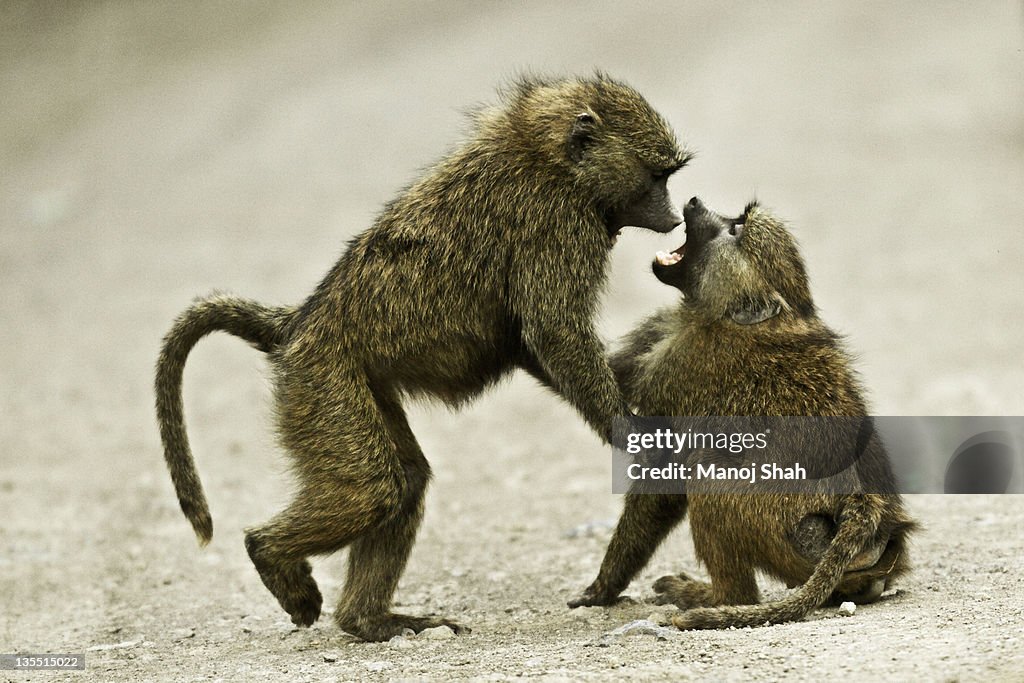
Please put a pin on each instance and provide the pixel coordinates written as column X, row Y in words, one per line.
column 152, row 152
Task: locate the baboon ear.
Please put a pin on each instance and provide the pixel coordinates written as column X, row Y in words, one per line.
column 755, row 311
column 581, row 135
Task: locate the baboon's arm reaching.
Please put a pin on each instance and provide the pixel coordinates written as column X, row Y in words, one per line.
column 572, row 358
column 556, row 304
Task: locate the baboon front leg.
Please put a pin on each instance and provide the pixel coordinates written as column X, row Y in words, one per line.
column 646, row 521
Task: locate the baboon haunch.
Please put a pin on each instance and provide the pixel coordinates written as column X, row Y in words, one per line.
column 493, row 260
column 746, row 341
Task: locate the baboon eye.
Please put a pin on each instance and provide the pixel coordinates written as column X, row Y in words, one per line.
column 659, row 174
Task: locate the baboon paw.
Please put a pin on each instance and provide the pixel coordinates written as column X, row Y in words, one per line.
column 292, row 584
column 593, row 597
column 457, row 628
column 673, row 581
column 664, row 599
column 667, row 583
column 681, row 591
column 298, row 594
column 303, row 607
column 386, row 626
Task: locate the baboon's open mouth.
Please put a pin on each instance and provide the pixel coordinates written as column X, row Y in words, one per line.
column 671, row 258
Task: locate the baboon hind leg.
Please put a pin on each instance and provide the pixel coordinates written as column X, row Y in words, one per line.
column 733, row 582
column 352, row 481
column 310, row 525
column 338, row 440
column 377, row 558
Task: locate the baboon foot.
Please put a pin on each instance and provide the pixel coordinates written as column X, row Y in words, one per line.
column 381, row 627
column 683, row 592
column 291, row 583
column 867, row 593
column 594, row 596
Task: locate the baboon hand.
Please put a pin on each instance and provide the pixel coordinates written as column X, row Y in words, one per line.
column 593, row 596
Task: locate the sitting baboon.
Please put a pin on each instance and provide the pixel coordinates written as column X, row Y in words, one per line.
column 746, row 341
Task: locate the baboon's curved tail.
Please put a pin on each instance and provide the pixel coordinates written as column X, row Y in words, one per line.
column 265, row 327
column 858, row 523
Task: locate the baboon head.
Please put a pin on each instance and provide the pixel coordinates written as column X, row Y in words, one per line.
column 745, row 269
column 602, row 136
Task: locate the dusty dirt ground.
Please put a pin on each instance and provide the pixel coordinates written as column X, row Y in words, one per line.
column 153, row 154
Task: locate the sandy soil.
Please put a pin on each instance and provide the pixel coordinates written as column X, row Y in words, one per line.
column 152, row 154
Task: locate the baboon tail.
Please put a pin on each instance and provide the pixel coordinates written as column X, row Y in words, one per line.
column 265, row 327
column 857, row 525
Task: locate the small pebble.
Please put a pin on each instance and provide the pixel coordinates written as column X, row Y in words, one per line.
column 437, row 633
column 330, row 657
column 847, row 608
column 400, row 643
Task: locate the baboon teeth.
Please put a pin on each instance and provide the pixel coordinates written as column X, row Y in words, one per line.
column 668, row 258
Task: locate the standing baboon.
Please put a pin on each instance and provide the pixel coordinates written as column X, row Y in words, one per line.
column 493, row 260
column 746, row 341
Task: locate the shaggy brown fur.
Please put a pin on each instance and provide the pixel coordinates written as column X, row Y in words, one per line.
column 746, row 341
column 493, row 260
